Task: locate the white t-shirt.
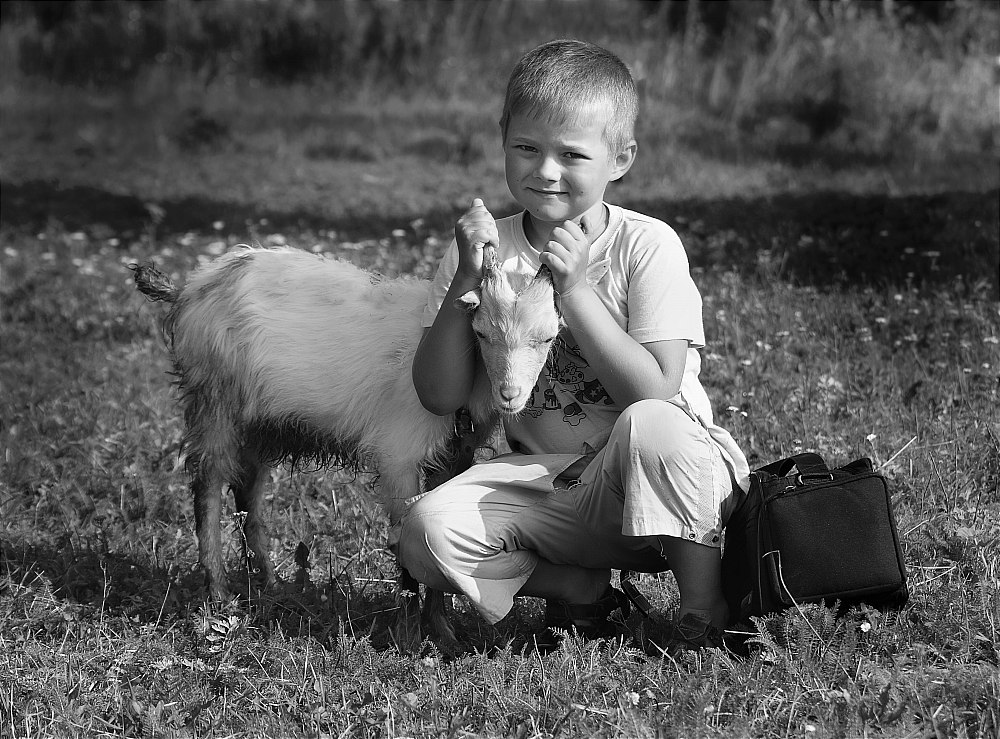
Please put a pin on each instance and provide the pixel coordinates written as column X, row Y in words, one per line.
column 639, row 270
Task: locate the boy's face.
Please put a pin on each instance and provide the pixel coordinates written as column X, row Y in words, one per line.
column 559, row 171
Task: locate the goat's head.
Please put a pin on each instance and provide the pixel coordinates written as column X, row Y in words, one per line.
column 515, row 329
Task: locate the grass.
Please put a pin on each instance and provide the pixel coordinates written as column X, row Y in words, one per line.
column 103, row 631
column 851, row 303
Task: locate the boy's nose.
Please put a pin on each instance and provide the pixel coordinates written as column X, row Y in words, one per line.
column 548, row 169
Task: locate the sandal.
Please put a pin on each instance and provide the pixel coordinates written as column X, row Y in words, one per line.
column 589, row 620
column 688, row 634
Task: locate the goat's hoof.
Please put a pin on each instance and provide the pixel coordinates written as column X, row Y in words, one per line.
column 437, row 624
column 448, row 643
column 218, row 592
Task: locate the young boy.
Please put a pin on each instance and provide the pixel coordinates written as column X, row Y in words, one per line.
column 617, row 463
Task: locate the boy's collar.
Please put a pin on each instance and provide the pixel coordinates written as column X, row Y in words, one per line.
column 593, row 235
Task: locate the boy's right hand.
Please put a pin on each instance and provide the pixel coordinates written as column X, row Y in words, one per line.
column 473, row 231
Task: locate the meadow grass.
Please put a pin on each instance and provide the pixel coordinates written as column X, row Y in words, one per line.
column 103, row 628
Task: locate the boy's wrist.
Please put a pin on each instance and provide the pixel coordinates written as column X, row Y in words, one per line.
column 574, row 292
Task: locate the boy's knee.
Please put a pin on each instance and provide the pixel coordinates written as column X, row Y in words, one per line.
column 655, row 422
column 422, row 547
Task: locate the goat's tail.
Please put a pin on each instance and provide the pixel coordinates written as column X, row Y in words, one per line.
column 154, row 284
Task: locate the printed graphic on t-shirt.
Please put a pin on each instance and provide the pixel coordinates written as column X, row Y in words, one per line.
column 566, row 386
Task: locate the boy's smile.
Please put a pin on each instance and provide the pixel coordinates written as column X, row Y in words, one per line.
column 558, row 171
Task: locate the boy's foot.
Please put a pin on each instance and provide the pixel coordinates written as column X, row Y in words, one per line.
column 589, row 620
column 692, row 632
column 688, row 634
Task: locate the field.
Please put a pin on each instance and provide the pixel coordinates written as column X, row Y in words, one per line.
column 852, row 304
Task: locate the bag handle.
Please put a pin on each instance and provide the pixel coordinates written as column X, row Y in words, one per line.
column 804, row 462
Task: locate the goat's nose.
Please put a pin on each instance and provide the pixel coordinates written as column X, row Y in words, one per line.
column 509, row 392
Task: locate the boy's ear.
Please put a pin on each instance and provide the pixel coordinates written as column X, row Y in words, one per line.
column 624, row 161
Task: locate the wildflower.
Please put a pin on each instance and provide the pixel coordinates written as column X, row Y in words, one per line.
column 218, row 225
column 398, row 233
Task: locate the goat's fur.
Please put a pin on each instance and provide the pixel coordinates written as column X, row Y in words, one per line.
column 281, row 355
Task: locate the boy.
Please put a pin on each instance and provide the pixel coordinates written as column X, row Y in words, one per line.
column 617, row 463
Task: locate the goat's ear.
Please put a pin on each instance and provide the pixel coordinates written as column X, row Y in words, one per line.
column 469, row 302
column 544, row 273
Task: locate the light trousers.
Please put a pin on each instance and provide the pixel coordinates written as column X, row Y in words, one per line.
column 662, row 473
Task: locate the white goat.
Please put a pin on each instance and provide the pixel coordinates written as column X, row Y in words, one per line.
column 282, row 355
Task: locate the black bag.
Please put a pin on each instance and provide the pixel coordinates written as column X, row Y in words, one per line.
column 816, row 535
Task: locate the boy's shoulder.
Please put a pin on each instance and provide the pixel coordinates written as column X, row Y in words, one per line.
column 633, row 219
column 639, row 230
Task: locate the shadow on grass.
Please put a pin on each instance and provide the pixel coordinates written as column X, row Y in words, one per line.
column 58, row 585
column 822, row 239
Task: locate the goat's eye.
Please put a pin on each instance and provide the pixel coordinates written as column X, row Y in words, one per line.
column 482, row 337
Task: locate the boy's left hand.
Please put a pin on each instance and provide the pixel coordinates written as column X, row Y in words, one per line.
column 567, row 255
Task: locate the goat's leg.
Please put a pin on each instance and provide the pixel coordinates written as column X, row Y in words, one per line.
column 248, row 492
column 436, row 622
column 206, row 489
column 406, row 631
column 399, row 480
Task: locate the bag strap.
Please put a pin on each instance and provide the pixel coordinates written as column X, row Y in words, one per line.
column 639, row 600
column 804, row 462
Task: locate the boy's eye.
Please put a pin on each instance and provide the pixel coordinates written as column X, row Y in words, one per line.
column 524, row 147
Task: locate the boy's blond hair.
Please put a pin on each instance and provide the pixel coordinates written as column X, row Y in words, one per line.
column 564, row 80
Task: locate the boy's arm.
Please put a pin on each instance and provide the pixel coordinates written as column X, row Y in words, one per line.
column 628, row 370
column 444, row 366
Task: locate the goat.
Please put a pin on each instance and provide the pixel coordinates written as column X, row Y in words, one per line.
column 281, row 356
